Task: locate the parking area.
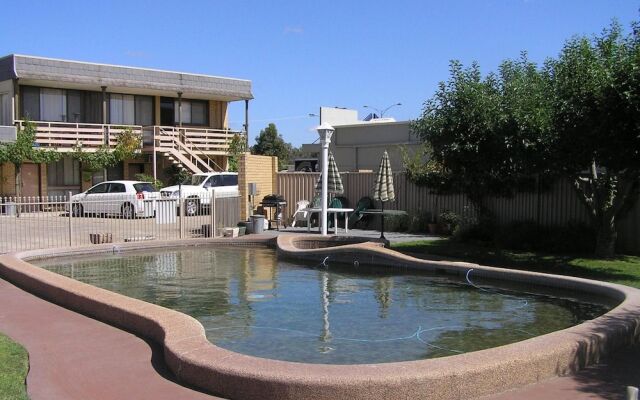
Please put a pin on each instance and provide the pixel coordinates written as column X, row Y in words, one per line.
column 58, row 229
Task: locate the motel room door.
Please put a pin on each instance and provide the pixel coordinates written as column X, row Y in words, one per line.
column 30, row 186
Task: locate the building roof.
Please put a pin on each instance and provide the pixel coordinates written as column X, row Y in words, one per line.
column 117, row 77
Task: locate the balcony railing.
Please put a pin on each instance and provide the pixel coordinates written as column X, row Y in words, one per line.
column 64, row 136
column 198, row 140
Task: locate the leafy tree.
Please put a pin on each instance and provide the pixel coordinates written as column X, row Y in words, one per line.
column 596, row 124
column 237, row 147
column 176, row 175
column 127, row 146
column 480, row 139
column 270, row 143
column 577, row 117
column 23, row 150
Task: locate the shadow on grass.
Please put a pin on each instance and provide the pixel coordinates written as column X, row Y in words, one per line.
column 620, row 269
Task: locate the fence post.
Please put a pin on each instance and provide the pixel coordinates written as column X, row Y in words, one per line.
column 70, row 205
column 212, row 211
column 181, row 215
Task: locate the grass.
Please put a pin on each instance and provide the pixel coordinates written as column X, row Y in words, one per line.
column 14, row 365
column 622, row 269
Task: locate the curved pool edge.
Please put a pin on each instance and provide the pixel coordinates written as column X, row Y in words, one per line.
column 195, row 361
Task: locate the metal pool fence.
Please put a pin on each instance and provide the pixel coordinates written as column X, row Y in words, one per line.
column 59, row 221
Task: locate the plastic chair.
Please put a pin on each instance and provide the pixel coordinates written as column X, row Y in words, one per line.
column 300, row 214
column 363, row 204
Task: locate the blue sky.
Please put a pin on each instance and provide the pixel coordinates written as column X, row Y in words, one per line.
column 301, row 55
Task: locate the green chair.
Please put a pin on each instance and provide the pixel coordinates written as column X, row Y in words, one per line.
column 363, row 204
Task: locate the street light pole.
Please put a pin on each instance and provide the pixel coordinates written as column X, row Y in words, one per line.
column 325, row 131
column 383, row 111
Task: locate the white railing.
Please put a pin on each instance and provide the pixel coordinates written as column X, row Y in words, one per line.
column 200, row 140
column 65, row 135
column 63, row 221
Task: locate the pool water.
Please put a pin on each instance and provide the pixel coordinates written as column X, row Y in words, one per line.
column 251, row 302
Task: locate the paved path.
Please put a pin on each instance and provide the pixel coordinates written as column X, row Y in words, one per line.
column 75, row 357
column 606, row 381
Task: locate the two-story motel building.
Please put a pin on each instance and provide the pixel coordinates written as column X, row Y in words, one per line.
column 182, row 118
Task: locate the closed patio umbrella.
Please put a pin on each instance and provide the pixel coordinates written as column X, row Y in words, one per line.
column 334, row 180
column 383, row 190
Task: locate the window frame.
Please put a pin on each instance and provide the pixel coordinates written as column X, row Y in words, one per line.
column 205, row 103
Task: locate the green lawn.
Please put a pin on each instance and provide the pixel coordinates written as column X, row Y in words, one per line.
column 621, row 269
column 14, row 365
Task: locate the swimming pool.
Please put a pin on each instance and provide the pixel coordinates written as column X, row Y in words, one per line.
column 251, row 302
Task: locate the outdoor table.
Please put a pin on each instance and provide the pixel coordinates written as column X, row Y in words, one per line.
column 335, row 212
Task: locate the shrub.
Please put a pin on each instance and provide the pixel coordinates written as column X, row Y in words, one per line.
column 450, row 219
column 418, row 220
column 484, row 231
column 148, row 178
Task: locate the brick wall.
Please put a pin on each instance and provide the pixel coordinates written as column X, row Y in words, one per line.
column 261, row 170
column 7, row 180
column 43, row 180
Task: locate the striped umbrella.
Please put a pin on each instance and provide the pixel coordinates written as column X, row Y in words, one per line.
column 383, row 191
column 334, row 182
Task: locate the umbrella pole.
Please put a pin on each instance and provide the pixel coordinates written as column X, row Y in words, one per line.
column 382, row 222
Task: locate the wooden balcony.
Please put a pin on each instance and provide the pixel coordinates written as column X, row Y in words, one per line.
column 64, row 136
column 198, row 140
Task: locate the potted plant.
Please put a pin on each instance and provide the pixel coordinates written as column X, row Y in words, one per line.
column 450, row 219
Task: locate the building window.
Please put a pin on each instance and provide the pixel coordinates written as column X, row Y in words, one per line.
column 5, row 109
column 121, row 109
column 194, row 112
column 58, row 105
column 144, row 110
column 128, row 109
column 65, row 172
column 53, row 105
column 84, row 107
column 30, row 102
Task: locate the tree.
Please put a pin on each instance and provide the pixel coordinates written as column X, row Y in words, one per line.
column 127, row 146
column 596, row 124
column 270, row 143
column 480, row 138
column 24, row 149
column 577, row 117
column 237, row 147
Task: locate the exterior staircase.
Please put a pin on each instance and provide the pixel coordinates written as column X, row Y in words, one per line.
column 178, row 149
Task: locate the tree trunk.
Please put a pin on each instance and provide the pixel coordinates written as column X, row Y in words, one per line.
column 605, row 199
column 606, row 236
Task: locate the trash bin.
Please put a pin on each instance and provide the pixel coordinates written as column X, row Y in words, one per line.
column 166, row 211
column 249, row 226
column 257, row 222
column 10, row 208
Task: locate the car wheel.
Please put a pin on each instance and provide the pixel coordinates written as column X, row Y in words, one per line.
column 192, row 207
column 76, row 210
column 128, row 211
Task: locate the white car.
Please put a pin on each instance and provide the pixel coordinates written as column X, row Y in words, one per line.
column 129, row 199
column 197, row 193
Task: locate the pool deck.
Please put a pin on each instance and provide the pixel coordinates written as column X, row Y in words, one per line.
column 76, row 357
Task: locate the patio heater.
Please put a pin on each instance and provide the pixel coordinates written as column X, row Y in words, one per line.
column 325, row 131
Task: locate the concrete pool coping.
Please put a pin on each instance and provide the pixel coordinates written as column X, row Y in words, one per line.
column 194, row 360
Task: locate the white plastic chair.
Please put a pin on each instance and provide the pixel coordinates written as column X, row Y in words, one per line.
column 300, row 214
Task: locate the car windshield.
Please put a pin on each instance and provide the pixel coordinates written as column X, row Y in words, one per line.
column 144, row 187
column 198, row 179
